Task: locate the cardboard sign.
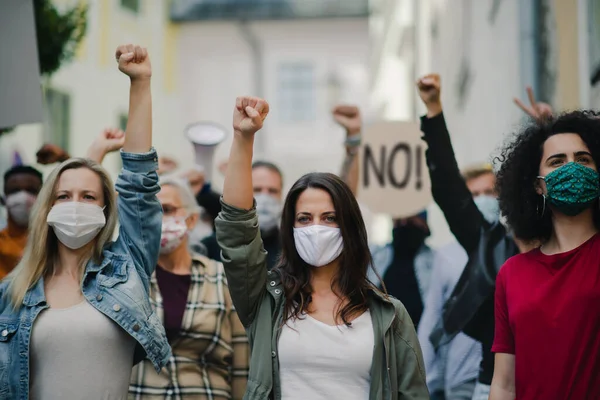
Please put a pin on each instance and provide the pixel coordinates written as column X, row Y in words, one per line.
column 20, row 85
column 393, row 173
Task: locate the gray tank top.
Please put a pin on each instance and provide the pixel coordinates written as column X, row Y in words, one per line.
column 79, row 353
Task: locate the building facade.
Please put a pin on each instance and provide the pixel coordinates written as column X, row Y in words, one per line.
column 303, row 57
column 487, row 53
column 90, row 94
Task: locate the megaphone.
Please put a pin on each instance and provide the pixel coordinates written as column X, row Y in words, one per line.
column 205, row 136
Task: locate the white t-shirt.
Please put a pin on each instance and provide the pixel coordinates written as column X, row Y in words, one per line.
column 320, row 361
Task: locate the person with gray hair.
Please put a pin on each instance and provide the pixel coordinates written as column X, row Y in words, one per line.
column 190, row 295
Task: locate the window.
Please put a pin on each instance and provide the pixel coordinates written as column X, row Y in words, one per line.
column 58, row 117
column 296, row 92
column 131, row 5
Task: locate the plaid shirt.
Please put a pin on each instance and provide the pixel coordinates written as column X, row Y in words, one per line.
column 210, row 355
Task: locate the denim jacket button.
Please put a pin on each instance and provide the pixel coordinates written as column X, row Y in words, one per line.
column 136, row 327
column 5, row 333
column 272, row 283
column 117, row 307
column 99, row 297
column 277, row 291
column 273, row 354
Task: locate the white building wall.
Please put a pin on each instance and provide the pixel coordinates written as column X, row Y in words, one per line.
column 99, row 93
column 492, row 54
column 446, row 32
column 216, row 62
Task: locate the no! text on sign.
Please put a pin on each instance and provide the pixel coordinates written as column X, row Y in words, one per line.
column 393, row 173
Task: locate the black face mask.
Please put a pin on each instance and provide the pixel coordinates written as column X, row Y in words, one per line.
column 408, row 239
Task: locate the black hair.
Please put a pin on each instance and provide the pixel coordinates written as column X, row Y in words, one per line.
column 270, row 166
column 520, row 164
column 355, row 259
column 23, row 169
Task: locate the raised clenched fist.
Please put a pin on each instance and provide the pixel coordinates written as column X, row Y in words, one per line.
column 249, row 114
column 349, row 118
column 429, row 90
column 134, row 61
column 110, row 140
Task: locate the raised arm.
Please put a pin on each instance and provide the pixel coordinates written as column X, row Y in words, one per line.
column 108, row 141
column 349, row 118
column 448, row 187
column 248, row 117
column 238, row 235
column 140, row 213
column 503, row 382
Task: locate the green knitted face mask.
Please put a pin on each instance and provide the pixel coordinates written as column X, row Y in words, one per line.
column 572, row 188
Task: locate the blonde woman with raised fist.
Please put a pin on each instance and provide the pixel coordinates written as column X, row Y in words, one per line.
column 75, row 314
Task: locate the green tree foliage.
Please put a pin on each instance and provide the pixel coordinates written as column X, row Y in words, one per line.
column 58, row 35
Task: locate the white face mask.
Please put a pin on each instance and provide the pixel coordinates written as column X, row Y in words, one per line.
column 268, row 209
column 172, row 234
column 19, row 207
column 489, row 207
column 75, row 223
column 318, row 245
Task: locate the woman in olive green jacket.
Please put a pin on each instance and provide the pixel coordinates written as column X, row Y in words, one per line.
column 318, row 329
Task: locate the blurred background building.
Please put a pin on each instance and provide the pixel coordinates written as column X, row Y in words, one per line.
column 305, row 56
column 487, row 52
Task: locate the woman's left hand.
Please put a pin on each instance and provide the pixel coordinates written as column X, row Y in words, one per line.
column 134, row 62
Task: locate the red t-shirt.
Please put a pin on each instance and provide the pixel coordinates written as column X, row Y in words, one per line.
column 548, row 315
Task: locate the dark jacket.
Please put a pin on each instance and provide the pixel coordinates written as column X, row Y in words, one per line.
column 470, row 308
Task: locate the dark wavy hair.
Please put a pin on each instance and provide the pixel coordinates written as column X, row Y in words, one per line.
column 355, row 259
column 520, row 163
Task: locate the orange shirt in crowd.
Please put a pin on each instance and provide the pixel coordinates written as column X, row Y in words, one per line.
column 12, row 244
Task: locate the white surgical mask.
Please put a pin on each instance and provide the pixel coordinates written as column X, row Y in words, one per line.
column 318, row 245
column 173, row 232
column 19, row 207
column 268, row 209
column 489, row 207
column 75, row 223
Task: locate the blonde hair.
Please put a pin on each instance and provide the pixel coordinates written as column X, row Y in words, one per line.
column 41, row 250
column 475, row 171
column 185, row 193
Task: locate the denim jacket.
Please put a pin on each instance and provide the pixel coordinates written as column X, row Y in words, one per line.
column 118, row 286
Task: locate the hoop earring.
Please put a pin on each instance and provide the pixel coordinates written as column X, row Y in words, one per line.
column 537, row 208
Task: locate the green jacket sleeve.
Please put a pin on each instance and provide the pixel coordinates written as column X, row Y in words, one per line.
column 243, row 257
column 411, row 372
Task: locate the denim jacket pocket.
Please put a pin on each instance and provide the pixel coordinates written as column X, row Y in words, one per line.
column 113, row 273
column 8, row 331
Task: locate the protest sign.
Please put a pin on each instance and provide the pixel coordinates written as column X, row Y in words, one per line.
column 393, row 173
